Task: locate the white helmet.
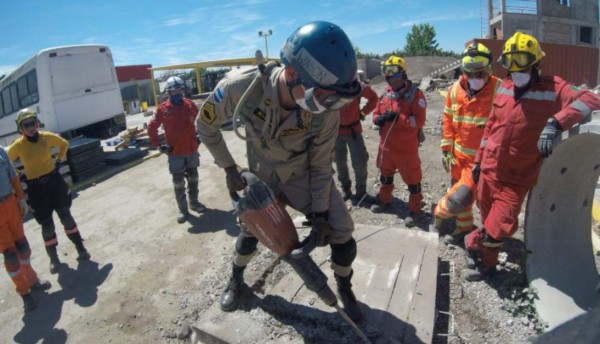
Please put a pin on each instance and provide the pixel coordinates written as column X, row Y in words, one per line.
column 173, row 83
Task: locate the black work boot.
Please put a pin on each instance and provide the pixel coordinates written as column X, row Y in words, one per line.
column 77, row 240
column 231, row 294
column 411, row 219
column 29, row 302
column 54, row 261
column 346, row 194
column 182, row 216
column 379, row 207
column 351, row 306
column 197, row 206
column 41, row 285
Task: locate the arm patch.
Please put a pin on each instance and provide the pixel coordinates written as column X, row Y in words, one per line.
column 207, row 113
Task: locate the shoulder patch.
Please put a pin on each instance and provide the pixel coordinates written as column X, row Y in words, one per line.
column 421, row 102
column 219, row 94
column 207, row 113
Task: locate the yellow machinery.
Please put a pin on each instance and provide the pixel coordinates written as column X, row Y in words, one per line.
column 197, row 66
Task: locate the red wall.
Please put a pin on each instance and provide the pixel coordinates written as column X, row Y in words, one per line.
column 575, row 64
column 134, row 72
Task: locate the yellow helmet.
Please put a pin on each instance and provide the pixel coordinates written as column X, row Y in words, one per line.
column 24, row 114
column 475, row 58
column 521, row 51
column 394, row 64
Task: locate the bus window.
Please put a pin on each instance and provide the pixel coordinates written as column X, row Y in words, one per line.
column 28, row 90
column 14, row 97
column 7, row 104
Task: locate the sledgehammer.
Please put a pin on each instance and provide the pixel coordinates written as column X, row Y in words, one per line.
column 266, row 218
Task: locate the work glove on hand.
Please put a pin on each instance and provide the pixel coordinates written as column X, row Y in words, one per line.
column 390, row 116
column 234, row 178
column 23, row 207
column 198, row 141
column 320, row 227
column 421, row 135
column 362, row 115
column 379, row 121
column 166, row 149
column 448, row 160
column 549, row 133
column 475, row 172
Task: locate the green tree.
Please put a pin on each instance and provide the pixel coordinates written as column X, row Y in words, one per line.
column 420, row 41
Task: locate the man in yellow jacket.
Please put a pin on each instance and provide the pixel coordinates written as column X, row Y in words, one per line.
column 466, row 110
column 46, row 189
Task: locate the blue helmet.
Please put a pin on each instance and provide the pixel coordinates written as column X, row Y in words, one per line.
column 323, row 57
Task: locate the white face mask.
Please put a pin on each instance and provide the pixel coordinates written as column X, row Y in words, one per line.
column 520, row 79
column 302, row 103
column 476, row 84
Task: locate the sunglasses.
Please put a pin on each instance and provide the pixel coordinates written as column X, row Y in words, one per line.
column 28, row 124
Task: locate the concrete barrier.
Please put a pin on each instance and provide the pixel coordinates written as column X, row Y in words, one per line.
column 560, row 262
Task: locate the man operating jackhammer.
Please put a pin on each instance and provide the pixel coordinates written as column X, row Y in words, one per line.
column 291, row 122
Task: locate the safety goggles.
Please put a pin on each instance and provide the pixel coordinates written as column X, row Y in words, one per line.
column 392, row 70
column 520, row 59
column 480, row 74
column 332, row 97
column 28, row 124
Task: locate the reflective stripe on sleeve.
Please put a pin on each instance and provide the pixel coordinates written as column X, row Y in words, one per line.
column 581, row 107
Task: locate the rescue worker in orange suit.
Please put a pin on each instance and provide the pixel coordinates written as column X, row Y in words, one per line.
column 291, row 120
column 46, row 188
column 350, row 138
column 177, row 116
column 530, row 111
column 399, row 114
column 13, row 243
column 466, row 110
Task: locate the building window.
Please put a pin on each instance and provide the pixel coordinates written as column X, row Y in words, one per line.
column 585, row 34
column 565, row 2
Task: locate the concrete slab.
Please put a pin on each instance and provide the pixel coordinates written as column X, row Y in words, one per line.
column 395, row 278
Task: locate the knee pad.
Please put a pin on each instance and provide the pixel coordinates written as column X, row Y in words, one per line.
column 22, row 245
column 386, row 180
column 11, row 259
column 343, row 254
column 178, row 178
column 245, row 244
column 459, row 200
column 414, row 188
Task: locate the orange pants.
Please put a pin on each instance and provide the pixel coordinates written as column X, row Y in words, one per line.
column 458, row 202
column 14, row 246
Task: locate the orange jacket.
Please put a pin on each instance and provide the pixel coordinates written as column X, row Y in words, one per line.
column 465, row 117
column 350, row 114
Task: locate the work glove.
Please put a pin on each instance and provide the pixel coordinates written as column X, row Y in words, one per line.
column 475, row 172
column 549, row 133
column 166, row 149
column 421, row 135
column 362, row 115
column 234, row 179
column 23, row 207
column 390, row 116
column 198, row 141
column 448, row 160
column 320, row 227
column 319, row 235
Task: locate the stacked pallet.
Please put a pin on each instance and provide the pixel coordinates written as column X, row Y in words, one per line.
column 85, row 158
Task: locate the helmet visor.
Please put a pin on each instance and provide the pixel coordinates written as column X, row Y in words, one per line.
column 515, row 61
column 391, row 70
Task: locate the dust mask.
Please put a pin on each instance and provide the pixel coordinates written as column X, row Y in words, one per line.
column 520, row 79
column 476, row 84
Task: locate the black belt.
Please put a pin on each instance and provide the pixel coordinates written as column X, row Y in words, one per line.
column 43, row 179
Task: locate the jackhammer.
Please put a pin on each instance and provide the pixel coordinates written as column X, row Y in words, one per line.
column 266, row 218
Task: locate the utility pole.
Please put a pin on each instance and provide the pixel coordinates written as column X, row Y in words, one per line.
column 265, row 34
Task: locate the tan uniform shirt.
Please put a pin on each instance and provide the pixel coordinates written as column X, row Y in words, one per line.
column 291, row 151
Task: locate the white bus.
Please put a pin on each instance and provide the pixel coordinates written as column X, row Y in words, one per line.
column 74, row 89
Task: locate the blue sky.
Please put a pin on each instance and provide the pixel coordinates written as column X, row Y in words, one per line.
column 171, row 32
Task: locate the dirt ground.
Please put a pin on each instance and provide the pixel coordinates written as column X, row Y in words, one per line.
column 150, row 277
